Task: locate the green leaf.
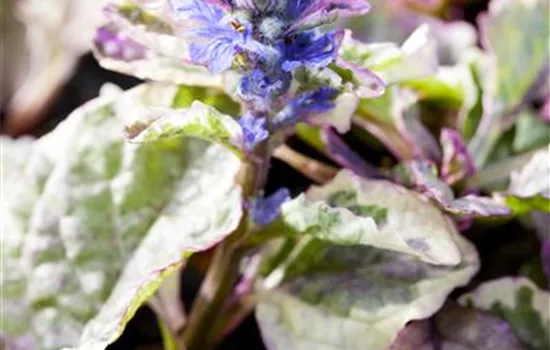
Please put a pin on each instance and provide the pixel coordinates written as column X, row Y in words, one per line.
column 451, row 85
column 151, row 117
column 521, row 303
column 516, row 33
column 516, row 37
column 531, row 132
column 395, row 120
column 457, row 327
column 96, row 224
column 353, row 297
column 376, row 213
column 530, row 187
column 199, row 120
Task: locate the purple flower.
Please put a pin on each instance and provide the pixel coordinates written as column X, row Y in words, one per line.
column 217, row 37
column 315, row 102
column 310, row 48
column 254, row 130
column 265, row 210
column 258, row 84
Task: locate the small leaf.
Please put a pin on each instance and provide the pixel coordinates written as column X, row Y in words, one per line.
column 96, row 224
column 531, row 132
column 335, row 297
column 423, row 177
column 395, row 120
column 456, row 327
column 375, row 213
column 199, row 120
column 521, row 303
column 472, row 205
column 530, row 187
column 457, row 162
column 416, row 58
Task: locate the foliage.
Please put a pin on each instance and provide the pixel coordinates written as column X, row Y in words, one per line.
column 101, row 214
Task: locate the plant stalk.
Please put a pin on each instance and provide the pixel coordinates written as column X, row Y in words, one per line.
column 223, row 271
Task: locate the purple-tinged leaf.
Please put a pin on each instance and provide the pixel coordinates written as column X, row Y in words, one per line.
column 474, row 206
column 367, row 83
column 416, row 58
column 423, row 176
column 519, row 302
column 335, row 297
column 456, row 327
column 342, row 154
column 457, row 162
column 141, row 43
column 319, row 12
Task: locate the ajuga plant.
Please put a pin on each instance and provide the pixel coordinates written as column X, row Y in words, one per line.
column 450, row 137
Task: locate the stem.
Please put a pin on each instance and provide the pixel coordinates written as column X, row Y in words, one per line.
column 223, row 271
column 313, row 169
column 217, row 286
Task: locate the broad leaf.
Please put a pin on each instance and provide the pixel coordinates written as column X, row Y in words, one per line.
column 96, row 224
column 335, row 297
column 521, row 303
column 530, row 187
column 458, row 328
column 352, row 210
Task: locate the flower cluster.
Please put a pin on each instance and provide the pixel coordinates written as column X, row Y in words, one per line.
column 267, row 41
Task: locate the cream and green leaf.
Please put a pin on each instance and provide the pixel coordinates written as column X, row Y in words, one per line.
column 530, row 186
column 333, row 297
column 520, row 302
column 352, row 210
column 94, row 224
